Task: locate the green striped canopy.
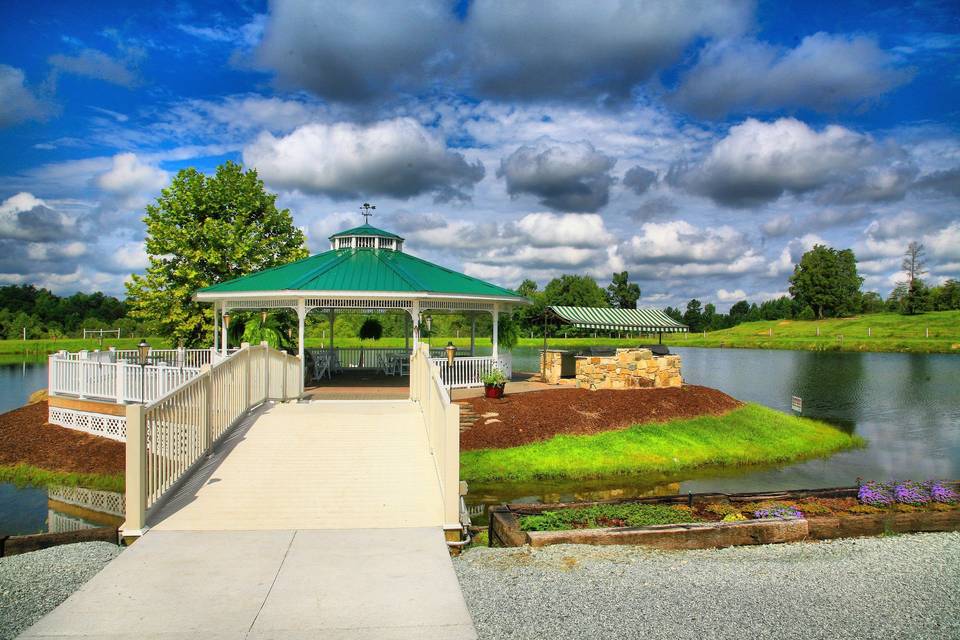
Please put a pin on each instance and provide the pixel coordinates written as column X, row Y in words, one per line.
column 649, row 320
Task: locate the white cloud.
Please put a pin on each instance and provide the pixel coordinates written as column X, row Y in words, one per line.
column 565, row 176
column 19, row 103
column 731, row 296
column 398, row 158
column 824, row 72
column 791, row 254
column 572, row 230
column 91, row 63
column 757, row 162
column 23, row 216
column 129, row 175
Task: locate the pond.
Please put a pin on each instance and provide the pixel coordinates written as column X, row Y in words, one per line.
column 18, row 381
column 26, row 510
column 907, row 407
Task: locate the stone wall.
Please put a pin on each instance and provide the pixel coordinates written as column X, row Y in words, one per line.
column 628, row 369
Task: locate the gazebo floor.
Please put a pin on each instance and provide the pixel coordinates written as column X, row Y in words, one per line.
column 359, row 384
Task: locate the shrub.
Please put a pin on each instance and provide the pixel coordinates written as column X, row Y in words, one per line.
column 905, row 492
column 875, row 493
column 910, row 492
column 941, row 493
column 812, row 507
column 495, row 376
column 721, row 509
column 605, row 515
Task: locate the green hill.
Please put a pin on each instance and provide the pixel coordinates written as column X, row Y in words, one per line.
column 933, row 332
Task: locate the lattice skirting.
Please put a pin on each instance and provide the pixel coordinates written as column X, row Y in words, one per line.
column 99, row 424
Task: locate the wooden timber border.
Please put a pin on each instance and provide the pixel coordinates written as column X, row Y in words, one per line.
column 504, row 523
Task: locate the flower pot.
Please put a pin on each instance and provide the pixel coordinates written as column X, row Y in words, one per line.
column 493, row 390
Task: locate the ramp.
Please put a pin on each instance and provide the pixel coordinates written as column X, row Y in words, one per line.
column 318, row 465
column 226, row 585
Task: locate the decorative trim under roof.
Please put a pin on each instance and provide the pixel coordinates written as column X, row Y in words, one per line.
column 365, row 230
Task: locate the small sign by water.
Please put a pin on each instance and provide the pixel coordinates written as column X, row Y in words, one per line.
column 796, row 403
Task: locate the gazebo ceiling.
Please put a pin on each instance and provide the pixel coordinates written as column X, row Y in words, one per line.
column 355, row 270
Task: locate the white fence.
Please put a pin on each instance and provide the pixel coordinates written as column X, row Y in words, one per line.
column 466, row 372
column 442, row 421
column 169, row 437
column 370, row 357
column 114, row 376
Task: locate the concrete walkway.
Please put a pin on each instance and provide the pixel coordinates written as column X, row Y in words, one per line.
column 313, row 520
column 216, row 585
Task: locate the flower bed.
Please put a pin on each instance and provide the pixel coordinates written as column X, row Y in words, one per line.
column 716, row 520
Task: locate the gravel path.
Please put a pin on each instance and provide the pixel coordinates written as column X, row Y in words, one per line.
column 33, row 584
column 896, row 587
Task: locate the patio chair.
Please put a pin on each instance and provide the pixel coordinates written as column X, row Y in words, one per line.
column 321, row 366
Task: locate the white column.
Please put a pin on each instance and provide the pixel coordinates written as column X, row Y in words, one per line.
column 415, row 314
column 406, row 331
column 473, row 334
column 496, row 327
column 216, row 325
column 333, row 318
column 301, row 317
column 223, row 335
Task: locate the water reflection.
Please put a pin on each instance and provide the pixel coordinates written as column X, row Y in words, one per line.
column 905, row 405
column 28, row 510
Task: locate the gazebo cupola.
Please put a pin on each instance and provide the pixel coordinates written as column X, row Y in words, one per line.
column 366, row 237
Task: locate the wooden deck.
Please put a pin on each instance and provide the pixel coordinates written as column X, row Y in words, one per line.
column 317, row 465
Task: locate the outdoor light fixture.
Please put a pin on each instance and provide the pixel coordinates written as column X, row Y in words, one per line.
column 429, row 323
column 143, row 350
column 226, row 320
column 263, row 318
column 451, row 353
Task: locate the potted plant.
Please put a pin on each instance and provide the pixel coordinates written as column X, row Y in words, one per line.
column 493, row 383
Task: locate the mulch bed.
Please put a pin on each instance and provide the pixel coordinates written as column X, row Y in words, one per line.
column 540, row 415
column 26, row 437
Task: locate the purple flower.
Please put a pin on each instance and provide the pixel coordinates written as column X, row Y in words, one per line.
column 911, row 492
column 875, row 493
column 941, row 493
column 784, row 513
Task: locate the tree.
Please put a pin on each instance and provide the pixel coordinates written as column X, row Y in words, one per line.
column 622, row 293
column 739, row 311
column 914, row 265
column 945, row 297
column 871, row 302
column 709, row 317
column 371, row 329
column 693, row 317
column 676, row 314
column 574, row 291
column 203, row 230
column 826, row 279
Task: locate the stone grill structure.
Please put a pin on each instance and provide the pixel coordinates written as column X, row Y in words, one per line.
column 628, row 369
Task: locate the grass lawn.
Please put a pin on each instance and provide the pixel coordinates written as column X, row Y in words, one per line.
column 24, row 474
column 874, row 332
column 47, row 346
column 752, row 434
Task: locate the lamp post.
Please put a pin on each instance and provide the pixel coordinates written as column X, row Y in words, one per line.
column 451, row 354
column 143, row 350
column 226, row 333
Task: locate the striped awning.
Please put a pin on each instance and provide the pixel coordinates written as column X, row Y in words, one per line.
column 651, row 320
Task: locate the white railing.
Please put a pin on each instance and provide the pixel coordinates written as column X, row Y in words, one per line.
column 168, row 438
column 442, row 422
column 94, row 376
column 466, row 372
column 170, row 357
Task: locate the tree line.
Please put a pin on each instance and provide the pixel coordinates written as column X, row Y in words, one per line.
column 46, row 315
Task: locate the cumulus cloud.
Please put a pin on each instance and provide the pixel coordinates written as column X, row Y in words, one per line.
column 791, row 254
column 757, row 162
column 25, row 217
column 778, row 225
column 352, row 50
column 639, row 179
column 731, row 296
column 824, row 72
column 947, row 181
column 91, row 63
column 564, row 176
column 651, row 208
column 571, row 230
column 398, row 158
column 130, row 176
column 576, row 49
column 19, row 103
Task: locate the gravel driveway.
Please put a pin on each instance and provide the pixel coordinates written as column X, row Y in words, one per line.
column 894, row 587
column 33, row 584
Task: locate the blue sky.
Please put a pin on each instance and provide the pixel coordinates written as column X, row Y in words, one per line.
column 700, row 146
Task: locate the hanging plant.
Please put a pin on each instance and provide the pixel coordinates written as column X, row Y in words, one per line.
column 371, row 329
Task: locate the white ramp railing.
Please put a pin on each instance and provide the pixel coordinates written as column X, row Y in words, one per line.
column 442, row 420
column 168, row 438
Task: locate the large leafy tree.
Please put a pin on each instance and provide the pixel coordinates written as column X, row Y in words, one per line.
column 693, row 316
column 826, row 279
column 574, row 291
column 622, row 293
column 203, row 230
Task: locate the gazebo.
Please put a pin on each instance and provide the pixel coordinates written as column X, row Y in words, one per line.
column 366, row 270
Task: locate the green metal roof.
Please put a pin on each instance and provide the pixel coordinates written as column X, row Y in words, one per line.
column 366, row 230
column 618, row 319
column 370, row 270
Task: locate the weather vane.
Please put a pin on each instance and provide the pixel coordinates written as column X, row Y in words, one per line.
column 367, row 211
